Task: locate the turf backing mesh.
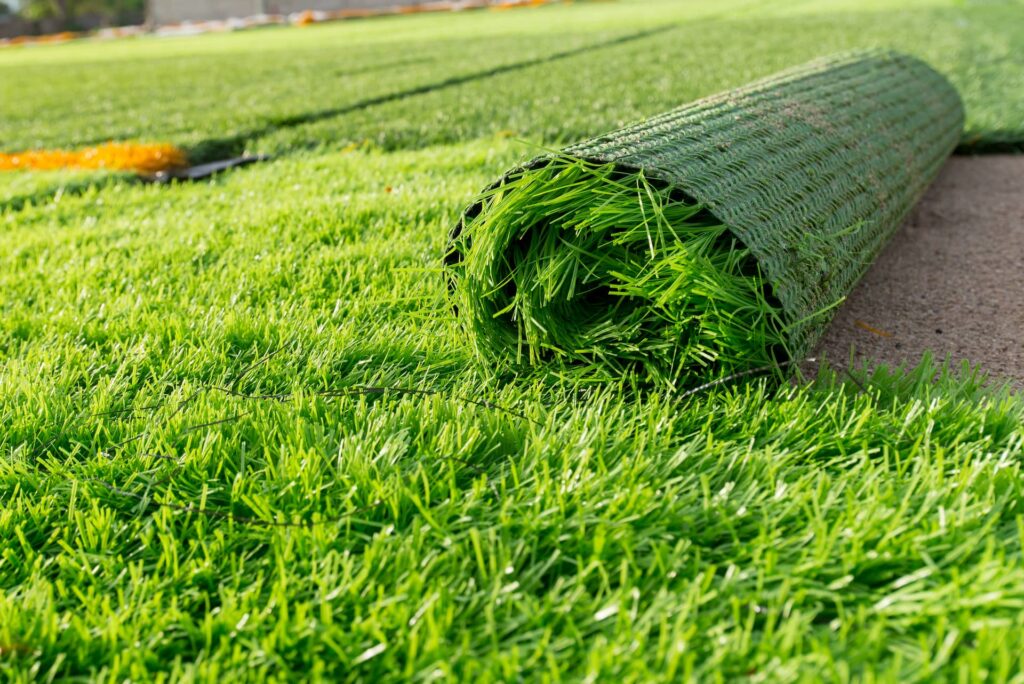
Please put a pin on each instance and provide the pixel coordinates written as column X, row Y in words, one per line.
column 809, row 172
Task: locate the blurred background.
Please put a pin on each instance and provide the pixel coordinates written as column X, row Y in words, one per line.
column 40, row 17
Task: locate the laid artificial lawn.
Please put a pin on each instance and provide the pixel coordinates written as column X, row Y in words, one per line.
column 242, row 435
column 242, row 86
column 565, row 72
column 356, row 533
column 974, row 46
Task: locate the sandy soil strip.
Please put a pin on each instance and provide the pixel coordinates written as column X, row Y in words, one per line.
column 951, row 280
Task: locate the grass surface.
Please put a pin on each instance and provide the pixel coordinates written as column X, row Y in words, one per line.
column 242, row 436
column 563, row 73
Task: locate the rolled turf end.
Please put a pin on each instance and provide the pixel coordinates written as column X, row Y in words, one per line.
column 709, row 240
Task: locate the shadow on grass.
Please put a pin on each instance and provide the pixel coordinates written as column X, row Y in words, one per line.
column 234, row 145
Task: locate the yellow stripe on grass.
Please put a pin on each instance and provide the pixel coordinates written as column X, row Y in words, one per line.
column 139, row 157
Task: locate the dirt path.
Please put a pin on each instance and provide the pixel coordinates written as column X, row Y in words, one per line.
column 951, row 280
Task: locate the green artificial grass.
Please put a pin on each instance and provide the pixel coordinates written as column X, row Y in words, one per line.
column 396, row 83
column 242, row 436
column 203, row 476
column 218, row 94
column 607, row 274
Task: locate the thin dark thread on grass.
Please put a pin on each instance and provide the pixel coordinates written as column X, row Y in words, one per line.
column 364, row 390
column 326, row 394
column 348, row 392
column 62, row 431
column 761, row 370
column 189, row 508
column 157, row 407
column 483, row 403
column 253, row 366
column 222, row 421
column 164, row 457
column 282, row 396
column 764, row 370
column 224, row 514
column 853, row 379
column 494, row 407
column 232, row 390
column 121, row 412
column 130, row 440
column 185, row 402
column 845, row 368
column 476, row 469
column 178, row 467
column 227, row 515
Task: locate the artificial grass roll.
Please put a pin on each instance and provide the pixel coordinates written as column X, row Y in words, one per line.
column 711, row 239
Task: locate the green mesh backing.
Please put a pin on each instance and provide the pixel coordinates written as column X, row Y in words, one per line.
column 814, row 168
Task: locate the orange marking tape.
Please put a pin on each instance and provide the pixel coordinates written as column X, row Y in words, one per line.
column 138, row 157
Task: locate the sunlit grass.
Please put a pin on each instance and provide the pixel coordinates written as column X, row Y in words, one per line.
column 243, row 436
column 198, row 476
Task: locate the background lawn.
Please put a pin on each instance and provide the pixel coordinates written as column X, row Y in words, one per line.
column 241, row 435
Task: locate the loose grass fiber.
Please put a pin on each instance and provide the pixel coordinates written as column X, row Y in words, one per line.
column 711, row 239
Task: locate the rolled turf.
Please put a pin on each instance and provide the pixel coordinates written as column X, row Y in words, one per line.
column 711, row 239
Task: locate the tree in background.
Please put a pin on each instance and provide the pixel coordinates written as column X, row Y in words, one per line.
column 67, row 12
